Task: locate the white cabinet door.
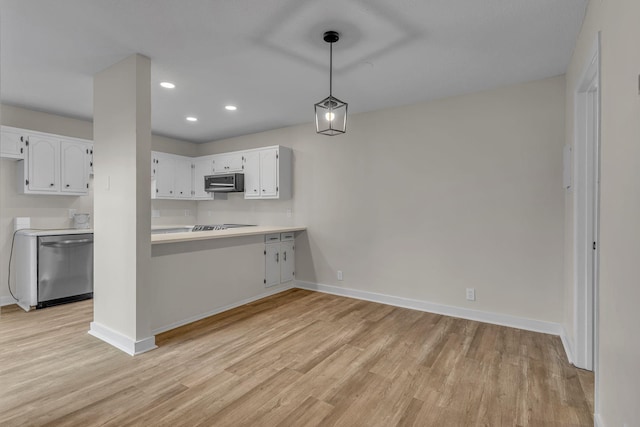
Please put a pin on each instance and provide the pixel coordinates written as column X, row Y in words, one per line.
column 73, row 163
column 203, row 166
column 12, row 143
column 272, row 264
column 43, row 164
column 165, row 175
column 269, row 173
column 228, row 163
column 252, row 175
column 287, row 261
column 183, row 177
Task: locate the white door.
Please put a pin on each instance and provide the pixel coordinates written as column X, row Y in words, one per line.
column 272, row 264
column 586, row 211
column 165, row 175
column 75, row 176
column 12, row 143
column 202, row 168
column 44, row 164
column 288, row 261
column 252, row 175
column 269, row 173
column 183, row 178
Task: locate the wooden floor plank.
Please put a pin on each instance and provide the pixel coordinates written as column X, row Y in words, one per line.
column 297, row 358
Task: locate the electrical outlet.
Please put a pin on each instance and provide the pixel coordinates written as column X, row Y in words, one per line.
column 471, row 294
column 155, row 213
column 288, row 213
column 209, row 213
column 72, row 212
column 339, row 274
column 187, row 212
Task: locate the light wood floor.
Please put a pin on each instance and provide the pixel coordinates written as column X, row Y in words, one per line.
column 296, row 359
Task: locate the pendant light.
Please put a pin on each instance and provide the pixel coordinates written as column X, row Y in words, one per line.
column 331, row 113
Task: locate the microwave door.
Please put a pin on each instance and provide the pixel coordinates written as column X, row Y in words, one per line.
column 220, row 187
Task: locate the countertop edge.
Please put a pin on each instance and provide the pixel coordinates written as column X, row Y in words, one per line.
column 191, row 236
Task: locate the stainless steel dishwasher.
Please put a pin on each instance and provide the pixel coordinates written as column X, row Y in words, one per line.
column 65, row 268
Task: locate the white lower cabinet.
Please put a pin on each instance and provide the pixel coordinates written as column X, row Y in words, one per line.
column 280, row 259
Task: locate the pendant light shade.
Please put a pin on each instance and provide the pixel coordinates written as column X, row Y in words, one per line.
column 331, row 113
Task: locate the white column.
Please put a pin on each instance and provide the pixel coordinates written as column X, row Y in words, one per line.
column 122, row 205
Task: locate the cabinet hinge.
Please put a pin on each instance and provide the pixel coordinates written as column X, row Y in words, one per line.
column 265, row 252
column 265, row 281
column 27, row 182
column 87, row 151
column 594, row 246
column 26, row 142
column 277, row 156
column 21, row 150
column 87, row 185
column 193, row 166
column 276, row 189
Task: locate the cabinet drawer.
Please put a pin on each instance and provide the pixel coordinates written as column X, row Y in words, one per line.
column 271, row 238
column 286, row 236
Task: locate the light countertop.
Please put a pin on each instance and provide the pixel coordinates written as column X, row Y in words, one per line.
column 54, row 231
column 221, row 234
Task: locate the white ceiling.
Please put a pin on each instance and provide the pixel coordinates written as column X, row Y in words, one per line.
column 268, row 57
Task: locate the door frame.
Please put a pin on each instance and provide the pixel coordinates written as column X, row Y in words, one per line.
column 586, row 202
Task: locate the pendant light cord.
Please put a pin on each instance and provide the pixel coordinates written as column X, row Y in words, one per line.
column 331, row 70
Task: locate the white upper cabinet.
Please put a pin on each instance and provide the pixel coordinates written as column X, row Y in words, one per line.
column 74, row 167
column 12, row 142
column 228, row 162
column 202, row 166
column 43, row 159
column 252, row 174
column 51, row 164
column 164, row 175
column 267, row 173
column 174, row 176
column 183, row 177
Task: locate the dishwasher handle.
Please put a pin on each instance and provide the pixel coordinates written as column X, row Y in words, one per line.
column 61, row 243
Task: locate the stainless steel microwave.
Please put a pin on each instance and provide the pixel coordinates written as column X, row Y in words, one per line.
column 225, row 183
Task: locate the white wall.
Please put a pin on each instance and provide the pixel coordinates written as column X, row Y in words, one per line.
column 617, row 373
column 426, row 200
column 52, row 211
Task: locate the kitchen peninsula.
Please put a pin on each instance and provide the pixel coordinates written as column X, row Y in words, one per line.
column 198, row 274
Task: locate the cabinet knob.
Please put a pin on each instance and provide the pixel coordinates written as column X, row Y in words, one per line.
column 170, row 191
column 263, row 190
column 51, row 185
column 67, row 185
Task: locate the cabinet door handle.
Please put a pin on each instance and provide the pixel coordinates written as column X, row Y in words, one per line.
column 277, row 256
column 285, row 255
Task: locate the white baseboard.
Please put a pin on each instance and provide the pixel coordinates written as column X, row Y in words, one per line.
column 221, row 309
column 7, row 301
column 597, row 421
column 122, row 342
column 447, row 310
column 566, row 343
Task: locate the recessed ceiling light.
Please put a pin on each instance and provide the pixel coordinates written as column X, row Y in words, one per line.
column 231, row 107
column 167, row 85
column 192, row 119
